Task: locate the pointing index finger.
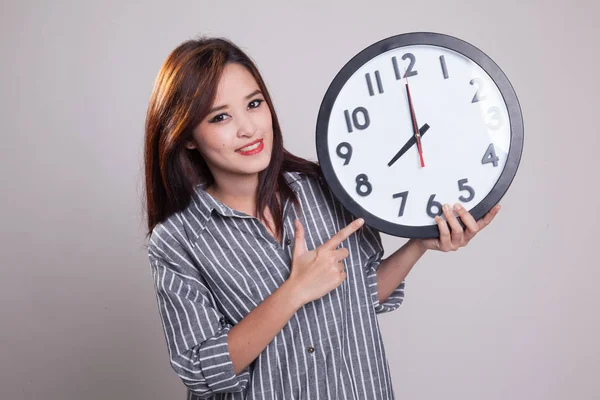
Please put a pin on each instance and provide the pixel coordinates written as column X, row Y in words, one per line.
column 343, row 234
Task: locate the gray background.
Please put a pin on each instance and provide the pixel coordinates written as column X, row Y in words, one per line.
column 513, row 315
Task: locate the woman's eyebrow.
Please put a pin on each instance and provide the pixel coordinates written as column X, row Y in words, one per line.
column 212, row 110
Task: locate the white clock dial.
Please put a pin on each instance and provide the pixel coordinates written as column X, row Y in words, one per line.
column 464, row 110
column 366, row 133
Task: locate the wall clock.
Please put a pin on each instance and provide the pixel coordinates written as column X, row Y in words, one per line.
column 414, row 121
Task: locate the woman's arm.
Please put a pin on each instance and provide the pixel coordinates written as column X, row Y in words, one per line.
column 210, row 355
column 393, row 270
column 249, row 337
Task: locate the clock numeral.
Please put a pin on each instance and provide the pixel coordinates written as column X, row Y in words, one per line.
column 409, row 70
column 496, row 120
column 396, row 69
column 478, row 83
column 444, row 67
column 403, row 196
column 462, row 186
column 431, row 205
column 363, row 186
column 354, row 121
column 347, row 154
column 490, row 156
column 370, row 85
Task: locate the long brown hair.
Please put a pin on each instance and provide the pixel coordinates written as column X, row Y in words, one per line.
column 183, row 93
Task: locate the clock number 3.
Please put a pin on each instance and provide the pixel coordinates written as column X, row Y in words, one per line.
column 495, row 121
column 363, row 186
column 354, row 122
column 496, row 118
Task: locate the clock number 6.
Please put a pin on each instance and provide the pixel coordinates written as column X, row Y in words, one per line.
column 362, row 182
column 431, row 205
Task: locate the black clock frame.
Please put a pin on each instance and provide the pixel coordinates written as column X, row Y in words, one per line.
column 408, row 39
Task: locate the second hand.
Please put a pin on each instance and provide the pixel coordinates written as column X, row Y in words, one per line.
column 414, row 122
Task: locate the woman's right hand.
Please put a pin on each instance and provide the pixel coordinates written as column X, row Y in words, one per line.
column 317, row 272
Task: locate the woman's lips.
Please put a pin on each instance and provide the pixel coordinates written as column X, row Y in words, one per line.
column 257, row 150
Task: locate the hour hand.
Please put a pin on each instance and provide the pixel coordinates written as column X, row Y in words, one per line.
column 408, row 145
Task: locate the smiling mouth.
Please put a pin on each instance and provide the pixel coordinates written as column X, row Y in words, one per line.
column 250, row 147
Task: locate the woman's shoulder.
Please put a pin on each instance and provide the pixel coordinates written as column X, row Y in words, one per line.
column 169, row 237
column 300, row 177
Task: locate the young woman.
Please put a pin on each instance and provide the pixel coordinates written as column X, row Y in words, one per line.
column 267, row 286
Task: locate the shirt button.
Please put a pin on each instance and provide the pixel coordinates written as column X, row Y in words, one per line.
column 288, row 241
column 311, row 349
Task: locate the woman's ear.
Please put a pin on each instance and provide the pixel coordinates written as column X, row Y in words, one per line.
column 190, row 145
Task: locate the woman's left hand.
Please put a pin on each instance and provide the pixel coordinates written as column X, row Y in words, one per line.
column 459, row 236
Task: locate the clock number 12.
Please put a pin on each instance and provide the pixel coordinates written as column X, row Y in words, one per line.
column 409, row 70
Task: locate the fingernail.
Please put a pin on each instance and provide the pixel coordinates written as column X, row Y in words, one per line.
column 457, row 207
column 446, row 207
column 360, row 221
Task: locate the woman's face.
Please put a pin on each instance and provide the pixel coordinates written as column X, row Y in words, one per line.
column 239, row 116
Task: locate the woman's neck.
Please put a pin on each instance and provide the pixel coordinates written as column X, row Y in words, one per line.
column 239, row 197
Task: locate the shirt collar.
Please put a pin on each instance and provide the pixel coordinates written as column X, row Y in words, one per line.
column 202, row 206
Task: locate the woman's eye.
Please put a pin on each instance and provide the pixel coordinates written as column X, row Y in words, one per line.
column 255, row 103
column 218, row 118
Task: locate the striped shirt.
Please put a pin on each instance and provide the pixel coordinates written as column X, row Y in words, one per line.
column 212, row 265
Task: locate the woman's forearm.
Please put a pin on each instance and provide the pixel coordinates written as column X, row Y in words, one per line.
column 249, row 337
column 395, row 268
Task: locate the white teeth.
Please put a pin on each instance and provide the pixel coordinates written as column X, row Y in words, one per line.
column 248, row 148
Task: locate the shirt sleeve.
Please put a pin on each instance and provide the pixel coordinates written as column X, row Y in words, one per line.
column 372, row 249
column 195, row 331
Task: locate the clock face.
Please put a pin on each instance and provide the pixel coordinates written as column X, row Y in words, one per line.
column 469, row 128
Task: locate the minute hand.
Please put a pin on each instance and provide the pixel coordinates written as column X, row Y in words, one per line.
column 414, row 124
column 408, row 145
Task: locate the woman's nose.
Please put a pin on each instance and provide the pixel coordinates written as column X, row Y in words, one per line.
column 246, row 126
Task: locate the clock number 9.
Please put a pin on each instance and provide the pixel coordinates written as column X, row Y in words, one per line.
column 347, row 155
column 362, row 181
